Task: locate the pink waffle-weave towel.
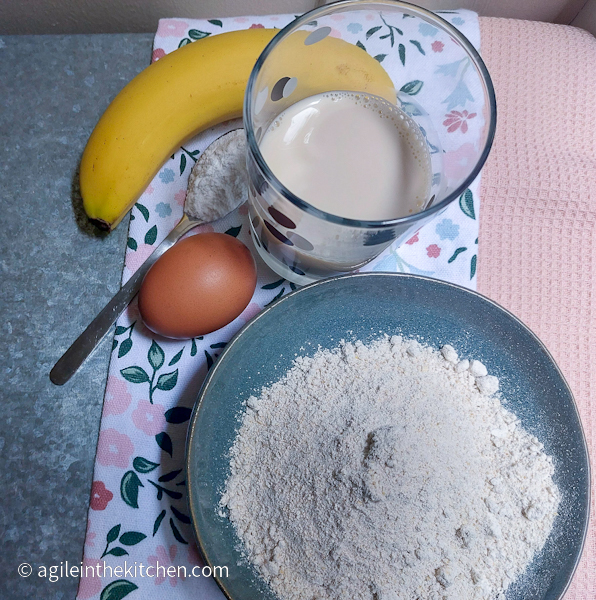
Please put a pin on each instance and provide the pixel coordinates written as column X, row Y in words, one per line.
column 538, row 216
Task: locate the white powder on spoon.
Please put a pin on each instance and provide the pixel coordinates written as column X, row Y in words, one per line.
column 218, row 182
column 388, row 471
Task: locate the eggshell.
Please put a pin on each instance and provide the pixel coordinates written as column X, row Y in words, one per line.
column 198, row 286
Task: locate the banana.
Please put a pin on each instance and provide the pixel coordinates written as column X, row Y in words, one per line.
column 192, row 89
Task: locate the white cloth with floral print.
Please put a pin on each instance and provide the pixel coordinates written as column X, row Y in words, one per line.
column 138, row 517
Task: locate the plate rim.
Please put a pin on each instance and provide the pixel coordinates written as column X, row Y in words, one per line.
column 381, row 275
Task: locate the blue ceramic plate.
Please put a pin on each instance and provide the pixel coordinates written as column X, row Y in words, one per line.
column 364, row 307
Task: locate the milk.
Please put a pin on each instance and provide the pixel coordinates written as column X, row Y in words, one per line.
column 350, row 154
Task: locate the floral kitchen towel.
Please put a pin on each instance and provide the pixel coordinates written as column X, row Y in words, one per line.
column 139, row 541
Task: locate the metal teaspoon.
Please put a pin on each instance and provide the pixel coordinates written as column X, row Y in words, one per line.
column 217, row 203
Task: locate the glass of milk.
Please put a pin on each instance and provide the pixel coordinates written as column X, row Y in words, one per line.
column 364, row 120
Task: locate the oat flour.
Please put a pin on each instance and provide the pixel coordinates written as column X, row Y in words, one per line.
column 387, row 471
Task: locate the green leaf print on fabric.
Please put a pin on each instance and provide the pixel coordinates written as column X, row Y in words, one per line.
column 466, row 203
column 143, row 210
column 126, row 344
column 273, row 285
column 412, row 87
column 167, row 381
column 410, row 109
column 276, row 297
column 142, row 465
column 402, row 54
column 196, row 34
column 218, row 345
column 178, row 414
column 209, row 359
column 169, row 476
column 113, row 534
column 234, row 231
column 132, row 538
column 151, row 236
column 216, row 22
column 117, row 551
column 117, row 590
column 125, row 347
column 176, row 532
column 161, row 490
column 456, row 254
column 418, row 45
column 156, row 356
column 158, row 521
column 192, row 154
column 391, row 33
column 180, row 516
column 164, row 441
column 121, row 329
column 176, row 358
column 129, row 488
column 473, row 266
column 135, row 374
column 372, row 31
column 131, row 243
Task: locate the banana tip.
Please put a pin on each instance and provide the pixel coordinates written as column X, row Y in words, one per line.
column 101, row 224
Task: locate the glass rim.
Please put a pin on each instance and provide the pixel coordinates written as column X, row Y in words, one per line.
column 281, row 189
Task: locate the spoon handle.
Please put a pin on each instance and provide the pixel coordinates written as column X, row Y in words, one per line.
column 82, row 347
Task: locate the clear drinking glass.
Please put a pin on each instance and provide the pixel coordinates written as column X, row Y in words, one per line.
column 439, row 81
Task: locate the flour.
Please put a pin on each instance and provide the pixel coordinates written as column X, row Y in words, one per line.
column 387, row 471
column 218, row 182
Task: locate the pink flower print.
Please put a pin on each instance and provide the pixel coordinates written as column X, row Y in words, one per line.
column 160, row 559
column 458, row 163
column 134, row 259
column 180, row 197
column 437, row 46
column 456, row 120
column 240, row 19
column 90, row 535
column 172, row 28
column 89, row 583
column 114, row 448
column 157, row 54
column 433, row 251
column 257, row 26
column 413, row 239
column 149, row 417
column 150, row 189
column 117, row 398
column 100, row 496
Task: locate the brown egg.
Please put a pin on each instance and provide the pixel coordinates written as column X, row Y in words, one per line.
column 198, row 286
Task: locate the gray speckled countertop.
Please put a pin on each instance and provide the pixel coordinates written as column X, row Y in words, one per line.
column 56, row 274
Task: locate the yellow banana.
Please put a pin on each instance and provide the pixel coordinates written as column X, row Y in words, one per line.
column 189, row 90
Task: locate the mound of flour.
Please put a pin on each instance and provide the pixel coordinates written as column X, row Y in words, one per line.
column 387, row 471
